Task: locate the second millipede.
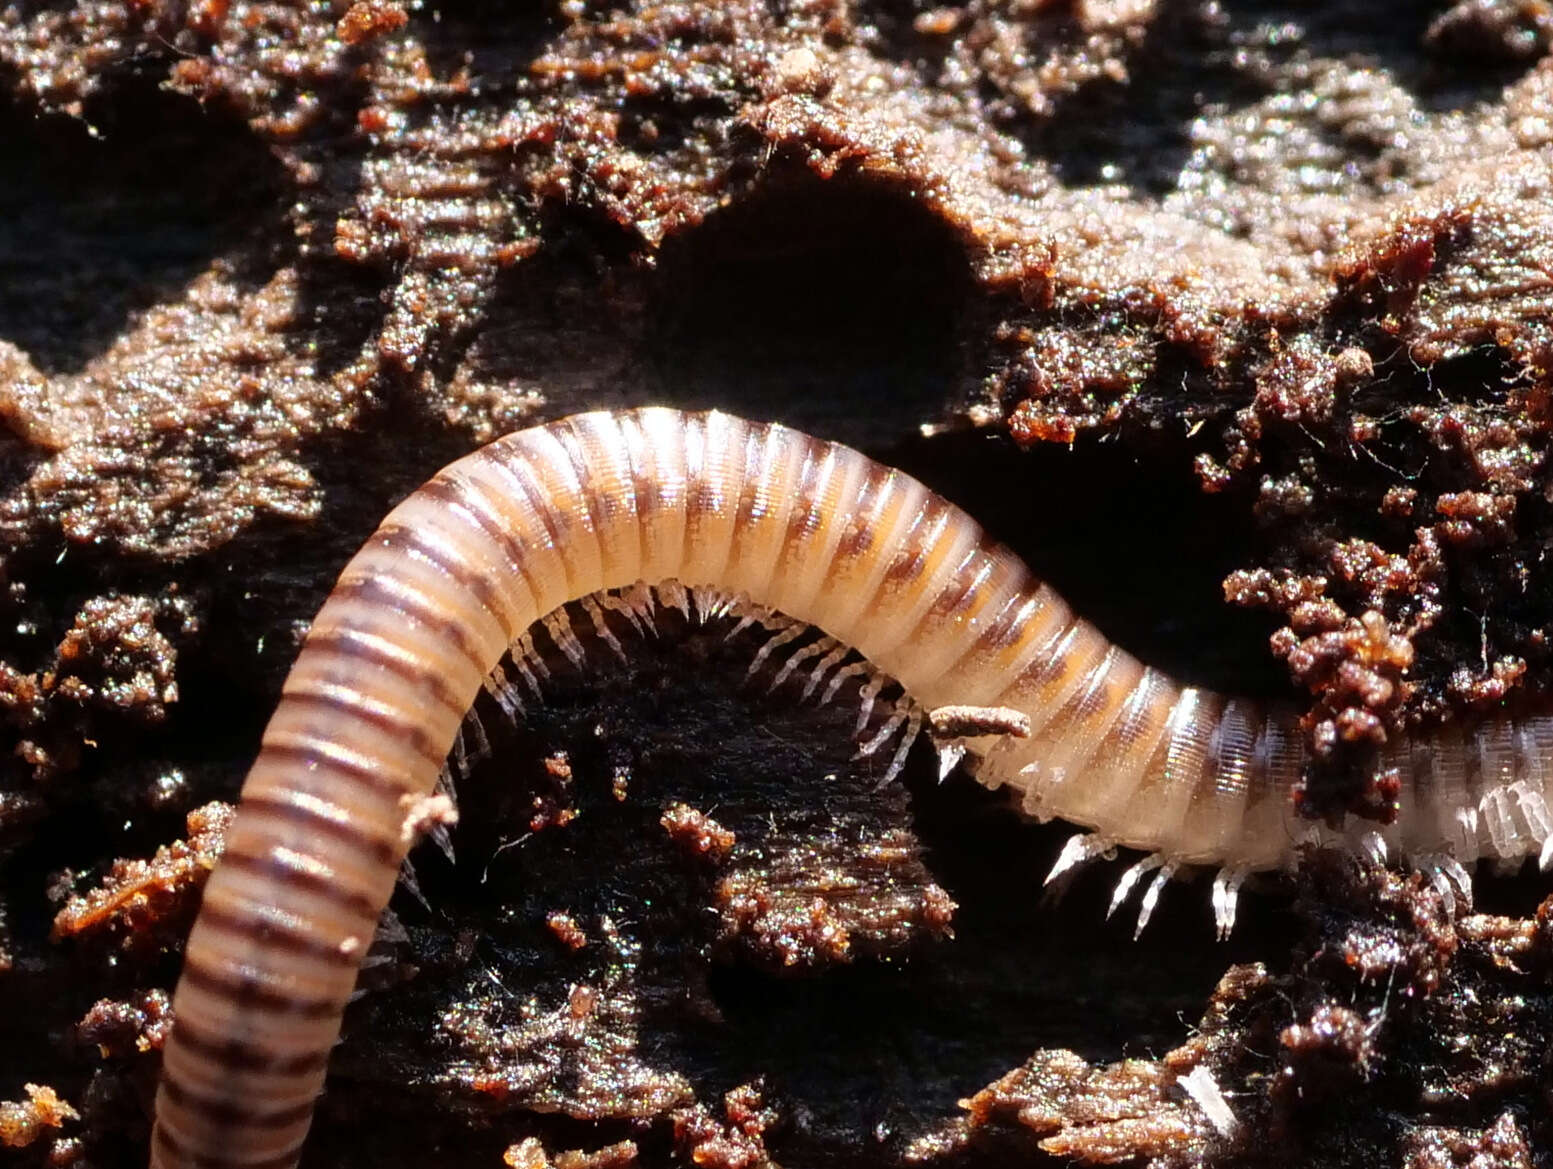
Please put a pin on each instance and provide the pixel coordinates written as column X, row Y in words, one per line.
column 460, row 570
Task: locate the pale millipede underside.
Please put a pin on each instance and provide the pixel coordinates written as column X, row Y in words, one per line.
column 463, row 567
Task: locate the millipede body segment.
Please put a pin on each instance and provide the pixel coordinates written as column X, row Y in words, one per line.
column 460, row 570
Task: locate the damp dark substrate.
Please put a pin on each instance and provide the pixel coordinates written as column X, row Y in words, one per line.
column 1194, row 299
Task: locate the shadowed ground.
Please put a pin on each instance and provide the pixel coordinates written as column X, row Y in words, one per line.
column 1233, row 318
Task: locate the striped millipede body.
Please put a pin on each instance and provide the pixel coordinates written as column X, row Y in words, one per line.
column 462, row 568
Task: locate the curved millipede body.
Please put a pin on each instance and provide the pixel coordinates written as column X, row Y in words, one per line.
column 463, row 567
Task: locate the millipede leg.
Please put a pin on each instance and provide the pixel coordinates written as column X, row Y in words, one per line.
column 595, row 614
column 1081, row 848
column 1128, row 879
column 798, row 659
column 1226, row 899
column 499, row 686
column 821, row 668
column 559, row 626
column 1151, row 897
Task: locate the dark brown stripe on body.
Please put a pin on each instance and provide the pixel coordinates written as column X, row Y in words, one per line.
column 327, row 889
column 862, row 531
column 806, row 517
column 752, row 479
column 917, row 551
column 229, row 1111
column 339, row 701
column 407, row 600
column 245, row 1055
column 354, row 645
column 1001, row 631
column 955, row 594
column 185, row 1155
column 448, row 562
column 598, row 508
column 646, row 487
column 312, row 752
column 1047, row 662
column 700, row 496
column 754, row 475
column 266, row 931
column 557, row 522
column 376, row 849
column 244, row 989
column 469, row 500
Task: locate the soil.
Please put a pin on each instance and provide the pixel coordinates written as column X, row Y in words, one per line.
column 1234, row 317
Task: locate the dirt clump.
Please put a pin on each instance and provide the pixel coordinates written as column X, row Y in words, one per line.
column 1278, row 272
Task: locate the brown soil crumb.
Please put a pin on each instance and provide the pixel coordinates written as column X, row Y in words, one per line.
column 147, row 904
column 566, row 930
column 1500, row 1146
column 697, row 833
column 581, row 1000
column 553, row 804
column 116, row 665
column 124, row 1028
column 735, row 1142
column 803, row 909
column 23, row 1123
column 1097, row 1116
column 572, row 1046
column 580, row 1055
column 1512, row 30
column 1392, row 926
column 366, row 19
column 793, row 934
column 530, row 1154
column 1332, row 1044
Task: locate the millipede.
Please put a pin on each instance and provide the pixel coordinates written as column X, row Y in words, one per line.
column 628, row 509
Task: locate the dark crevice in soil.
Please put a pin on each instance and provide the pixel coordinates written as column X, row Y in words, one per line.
column 130, row 202
column 807, row 295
